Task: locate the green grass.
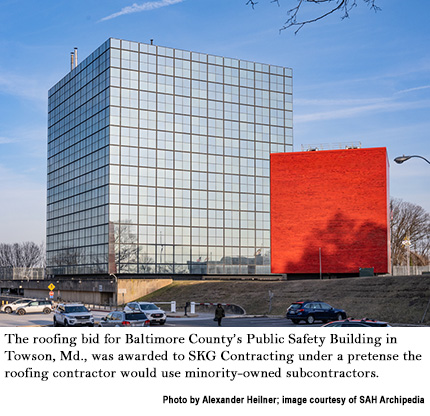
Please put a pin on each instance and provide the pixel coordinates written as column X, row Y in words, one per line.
column 398, row 299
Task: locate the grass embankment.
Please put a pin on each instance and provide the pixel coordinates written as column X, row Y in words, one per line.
column 399, row 299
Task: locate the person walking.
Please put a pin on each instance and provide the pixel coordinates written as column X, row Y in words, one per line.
column 219, row 314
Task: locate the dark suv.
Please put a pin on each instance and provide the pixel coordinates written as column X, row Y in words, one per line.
column 357, row 322
column 311, row 311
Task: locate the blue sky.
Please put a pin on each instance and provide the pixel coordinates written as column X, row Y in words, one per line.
column 366, row 78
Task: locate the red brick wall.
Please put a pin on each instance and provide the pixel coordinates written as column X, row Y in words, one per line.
column 336, row 200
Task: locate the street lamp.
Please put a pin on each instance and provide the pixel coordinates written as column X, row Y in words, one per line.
column 116, row 290
column 401, row 159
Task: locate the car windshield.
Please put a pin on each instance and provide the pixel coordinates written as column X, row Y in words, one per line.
column 148, row 306
column 295, row 306
column 73, row 309
column 135, row 316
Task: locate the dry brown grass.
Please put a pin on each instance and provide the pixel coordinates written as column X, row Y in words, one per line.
column 394, row 299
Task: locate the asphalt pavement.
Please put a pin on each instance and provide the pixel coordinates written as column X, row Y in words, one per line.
column 173, row 320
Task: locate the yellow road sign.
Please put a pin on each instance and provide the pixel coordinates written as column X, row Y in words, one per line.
column 51, row 287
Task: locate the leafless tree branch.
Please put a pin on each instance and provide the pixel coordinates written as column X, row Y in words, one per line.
column 26, row 255
column 334, row 6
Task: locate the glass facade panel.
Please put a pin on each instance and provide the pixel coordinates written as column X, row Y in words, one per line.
column 158, row 162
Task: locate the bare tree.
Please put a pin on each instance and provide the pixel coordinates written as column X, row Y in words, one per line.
column 331, row 6
column 68, row 257
column 27, row 255
column 125, row 246
column 146, row 263
column 409, row 222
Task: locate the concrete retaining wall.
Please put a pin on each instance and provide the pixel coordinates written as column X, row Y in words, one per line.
column 101, row 291
column 136, row 288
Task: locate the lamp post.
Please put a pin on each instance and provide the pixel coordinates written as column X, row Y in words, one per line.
column 116, row 289
column 407, row 242
column 401, row 159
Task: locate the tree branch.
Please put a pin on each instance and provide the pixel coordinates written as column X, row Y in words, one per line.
column 293, row 20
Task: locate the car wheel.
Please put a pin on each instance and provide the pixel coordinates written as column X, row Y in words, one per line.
column 295, row 321
column 8, row 309
column 339, row 317
column 21, row 312
column 47, row 311
column 310, row 319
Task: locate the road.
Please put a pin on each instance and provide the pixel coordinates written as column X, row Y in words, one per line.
column 34, row 319
column 204, row 320
column 236, row 322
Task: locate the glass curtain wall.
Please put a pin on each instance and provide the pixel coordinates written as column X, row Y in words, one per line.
column 78, row 168
column 158, row 162
column 190, row 138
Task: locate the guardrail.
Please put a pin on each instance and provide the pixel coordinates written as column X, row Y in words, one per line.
column 194, row 304
column 172, row 305
column 93, row 306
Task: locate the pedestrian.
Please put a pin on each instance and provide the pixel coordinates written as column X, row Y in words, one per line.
column 219, row 314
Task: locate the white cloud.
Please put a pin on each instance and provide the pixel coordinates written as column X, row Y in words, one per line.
column 355, row 111
column 4, row 140
column 339, row 102
column 424, row 87
column 136, row 8
column 24, row 87
column 29, row 140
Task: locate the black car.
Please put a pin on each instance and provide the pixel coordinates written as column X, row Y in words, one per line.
column 311, row 311
column 357, row 322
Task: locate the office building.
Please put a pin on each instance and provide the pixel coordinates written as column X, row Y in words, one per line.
column 158, row 162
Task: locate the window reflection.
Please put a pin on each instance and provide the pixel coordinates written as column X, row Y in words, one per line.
column 159, row 158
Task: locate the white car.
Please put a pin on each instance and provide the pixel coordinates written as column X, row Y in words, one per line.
column 35, row 306
column 153, row 312
column 13, row 306
column 73, row 314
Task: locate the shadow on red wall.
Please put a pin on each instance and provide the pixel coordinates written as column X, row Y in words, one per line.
column 346, row 245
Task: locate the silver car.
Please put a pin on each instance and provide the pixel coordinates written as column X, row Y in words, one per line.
column 13, row 306
column 123, row 318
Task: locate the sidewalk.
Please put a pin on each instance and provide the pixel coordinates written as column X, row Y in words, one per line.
column 188, row 315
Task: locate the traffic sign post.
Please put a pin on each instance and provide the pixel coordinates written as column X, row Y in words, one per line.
column 407, row 243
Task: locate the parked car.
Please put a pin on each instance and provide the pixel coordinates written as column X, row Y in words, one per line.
column 311, row 311
column 123, row 318
column 35, row 306
column 357, row 322
column 153, row 312
column 73, row 314
column 11, row 307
